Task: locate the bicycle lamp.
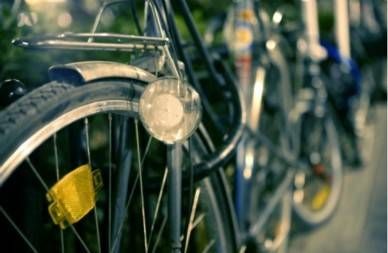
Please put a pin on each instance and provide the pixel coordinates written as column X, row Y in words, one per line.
column 170, row 110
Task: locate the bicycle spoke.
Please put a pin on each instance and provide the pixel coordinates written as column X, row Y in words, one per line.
column 57, row 176
column 141, row 186
column 137, row 176
column 146, row 150
column 192, row 215
column 198, row 220
column 79, row 238
column 130, row 197
column 86, row 122
column 110, row 182
column 159, row 236
column 208, row 246
column 158, row 204
column 17, row 229
column 37, row 174
column 56, row 156
column 46, row 188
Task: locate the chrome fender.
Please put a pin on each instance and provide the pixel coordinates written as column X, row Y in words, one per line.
column 87, row 71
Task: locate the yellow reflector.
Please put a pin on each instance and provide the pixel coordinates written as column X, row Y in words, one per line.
column 73, row 196
column 321, row 197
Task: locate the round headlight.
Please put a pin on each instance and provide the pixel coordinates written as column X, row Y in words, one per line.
column 170, row 110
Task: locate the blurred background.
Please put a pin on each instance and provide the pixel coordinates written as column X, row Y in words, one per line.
column 360, row 224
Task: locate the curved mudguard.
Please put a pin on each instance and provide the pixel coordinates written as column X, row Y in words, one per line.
column 87, row 71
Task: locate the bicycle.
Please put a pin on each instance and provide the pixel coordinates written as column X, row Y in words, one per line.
column 316, row 188
column 264, row 157
column 66, row 112
column 120, row 92
column 265, row 79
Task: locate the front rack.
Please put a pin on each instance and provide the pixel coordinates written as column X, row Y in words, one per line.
column 94, row 41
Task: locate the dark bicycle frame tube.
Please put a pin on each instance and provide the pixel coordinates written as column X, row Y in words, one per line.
column 188, row 67
column 203, row 169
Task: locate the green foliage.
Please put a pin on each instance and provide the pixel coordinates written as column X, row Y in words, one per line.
column 30, row 66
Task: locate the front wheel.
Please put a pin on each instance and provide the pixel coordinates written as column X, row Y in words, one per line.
column 317, row 190
column 78, row 173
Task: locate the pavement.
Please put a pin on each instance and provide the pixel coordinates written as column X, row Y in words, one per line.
column 360, row 222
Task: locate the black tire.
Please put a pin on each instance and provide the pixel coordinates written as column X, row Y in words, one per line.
column 310, row 213
column 52, row 109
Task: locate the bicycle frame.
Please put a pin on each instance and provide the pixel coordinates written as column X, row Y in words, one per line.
column 342, row 27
